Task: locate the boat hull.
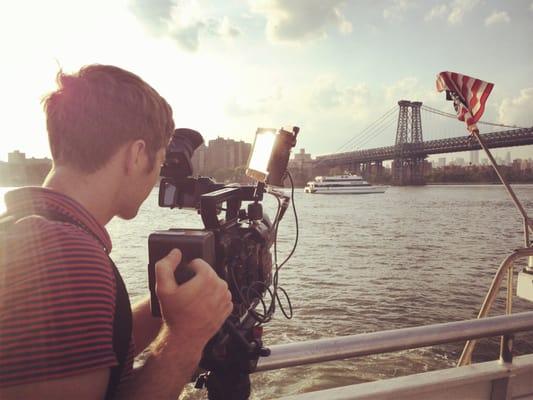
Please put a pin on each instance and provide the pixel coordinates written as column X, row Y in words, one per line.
column 348, row 190
column 342, row 184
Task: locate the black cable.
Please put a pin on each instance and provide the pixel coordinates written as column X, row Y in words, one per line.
column 244, row 299
column 278, row 267
column 290, row 315
column 295, row 221
column 267, row 314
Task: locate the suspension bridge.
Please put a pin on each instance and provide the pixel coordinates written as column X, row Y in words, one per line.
column 410, row 151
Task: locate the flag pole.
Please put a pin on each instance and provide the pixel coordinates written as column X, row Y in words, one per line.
column 528, row 223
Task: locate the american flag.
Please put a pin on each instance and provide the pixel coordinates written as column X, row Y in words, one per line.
column 469, row 95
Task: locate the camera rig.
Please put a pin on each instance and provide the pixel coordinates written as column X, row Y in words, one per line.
column 237, row 246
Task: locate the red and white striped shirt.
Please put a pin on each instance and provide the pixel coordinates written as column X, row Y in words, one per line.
column 57, row 293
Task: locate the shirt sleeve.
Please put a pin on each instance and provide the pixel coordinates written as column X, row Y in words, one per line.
column 57, row 300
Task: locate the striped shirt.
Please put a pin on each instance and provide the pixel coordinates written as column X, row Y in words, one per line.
column 57, row 293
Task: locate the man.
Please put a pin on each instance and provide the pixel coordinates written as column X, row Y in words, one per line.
column 59, row 289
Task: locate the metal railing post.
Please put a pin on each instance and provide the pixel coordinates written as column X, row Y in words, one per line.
column 492, row 294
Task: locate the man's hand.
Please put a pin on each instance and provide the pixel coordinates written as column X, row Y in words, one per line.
column 197, row 308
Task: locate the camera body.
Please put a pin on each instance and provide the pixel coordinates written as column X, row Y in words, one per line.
column 237, row 246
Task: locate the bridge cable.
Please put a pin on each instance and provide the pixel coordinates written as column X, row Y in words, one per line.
column 383, row 129
column 365, row 132
column 376, row 130
column 366, row 129
column 454, row 116
column 369, row 130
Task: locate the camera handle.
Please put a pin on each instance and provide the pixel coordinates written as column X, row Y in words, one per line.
column 231, row 381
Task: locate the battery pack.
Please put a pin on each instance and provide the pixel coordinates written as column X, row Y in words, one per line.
column 193, row 243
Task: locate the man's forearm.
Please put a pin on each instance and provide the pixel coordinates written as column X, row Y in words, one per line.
column 145, row 327
column 172, row 361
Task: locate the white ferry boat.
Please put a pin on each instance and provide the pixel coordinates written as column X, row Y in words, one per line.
column 342, row 184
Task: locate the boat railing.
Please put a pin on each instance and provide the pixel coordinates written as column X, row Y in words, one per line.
column 506, row 267
column 364, row 344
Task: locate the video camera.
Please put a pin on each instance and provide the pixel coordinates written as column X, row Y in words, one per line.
column 237, row 246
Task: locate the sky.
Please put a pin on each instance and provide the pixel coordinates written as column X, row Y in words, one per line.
column 331, row 67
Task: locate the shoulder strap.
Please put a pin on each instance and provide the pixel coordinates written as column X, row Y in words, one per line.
column 122, row 320
column 122, row 328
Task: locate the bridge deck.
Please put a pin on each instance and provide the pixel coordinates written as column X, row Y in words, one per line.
column 509, row 138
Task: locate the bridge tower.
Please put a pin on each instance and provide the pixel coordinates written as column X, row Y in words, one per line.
column 408, row 170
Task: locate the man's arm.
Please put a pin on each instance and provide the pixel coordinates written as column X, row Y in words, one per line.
column 145, row 326
column 193, row 312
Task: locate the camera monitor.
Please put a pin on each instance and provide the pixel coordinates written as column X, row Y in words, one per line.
column 270, row 154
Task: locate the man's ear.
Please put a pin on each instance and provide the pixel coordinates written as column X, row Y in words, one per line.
column 135, row 157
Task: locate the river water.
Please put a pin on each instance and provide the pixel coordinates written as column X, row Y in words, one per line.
column 411, row 256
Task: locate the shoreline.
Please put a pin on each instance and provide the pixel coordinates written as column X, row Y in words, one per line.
column 373, row 184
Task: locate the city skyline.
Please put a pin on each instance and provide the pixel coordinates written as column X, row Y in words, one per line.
column 299, row 151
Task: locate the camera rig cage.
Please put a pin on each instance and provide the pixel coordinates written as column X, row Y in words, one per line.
column 237, row 246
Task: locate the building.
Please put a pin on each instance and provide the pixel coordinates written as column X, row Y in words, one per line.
column 441, row 162
column 301, row 158
column 16, row 157
column 302, row 162
column 220, row 154
column 459, row 161
column 508, row 158
column 474, row 157
column 526, row 165
column 301, row 167
column 20, row 170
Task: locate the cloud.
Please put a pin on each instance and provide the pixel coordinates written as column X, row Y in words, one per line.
column 155, row 15
column 410, row 88
column 239, row 107
column 453, row 11
column 406, row 88
column 183, row 22
column 328, row 95
column 295, row 21
column 497, row 17
column 459, row 8
column 397, row 9
column 187, row 37
column 225, row 29
column 438, row 11
column 519, row 110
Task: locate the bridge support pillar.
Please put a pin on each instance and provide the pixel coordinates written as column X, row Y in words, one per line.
column 408, row 172
column 366, row 170
column 379, row 170
column 408, row 169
